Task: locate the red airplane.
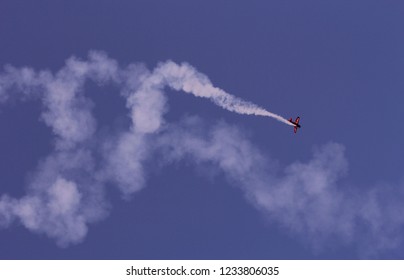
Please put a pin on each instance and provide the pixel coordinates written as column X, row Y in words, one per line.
column 295, row 123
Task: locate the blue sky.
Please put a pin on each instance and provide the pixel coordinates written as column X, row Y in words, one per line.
column 112, row 163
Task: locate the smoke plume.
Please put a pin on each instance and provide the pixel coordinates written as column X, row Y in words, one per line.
column 66, row 193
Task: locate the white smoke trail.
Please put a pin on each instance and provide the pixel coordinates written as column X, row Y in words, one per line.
column 187, row 78
column 66, row 193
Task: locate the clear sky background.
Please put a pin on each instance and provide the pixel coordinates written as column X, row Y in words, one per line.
column 339, row 65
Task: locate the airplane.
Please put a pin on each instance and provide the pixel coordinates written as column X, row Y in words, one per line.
column 295, row 123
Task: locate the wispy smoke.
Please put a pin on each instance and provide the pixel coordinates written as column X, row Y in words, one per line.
column 67, row 192
column 186, row 78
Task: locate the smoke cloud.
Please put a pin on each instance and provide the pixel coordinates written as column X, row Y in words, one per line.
column 66, row 194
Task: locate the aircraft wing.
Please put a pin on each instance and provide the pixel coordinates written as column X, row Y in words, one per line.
column 297, row 120
column 295, row 129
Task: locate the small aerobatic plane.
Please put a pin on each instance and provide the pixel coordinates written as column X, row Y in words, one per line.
column 295, row 123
